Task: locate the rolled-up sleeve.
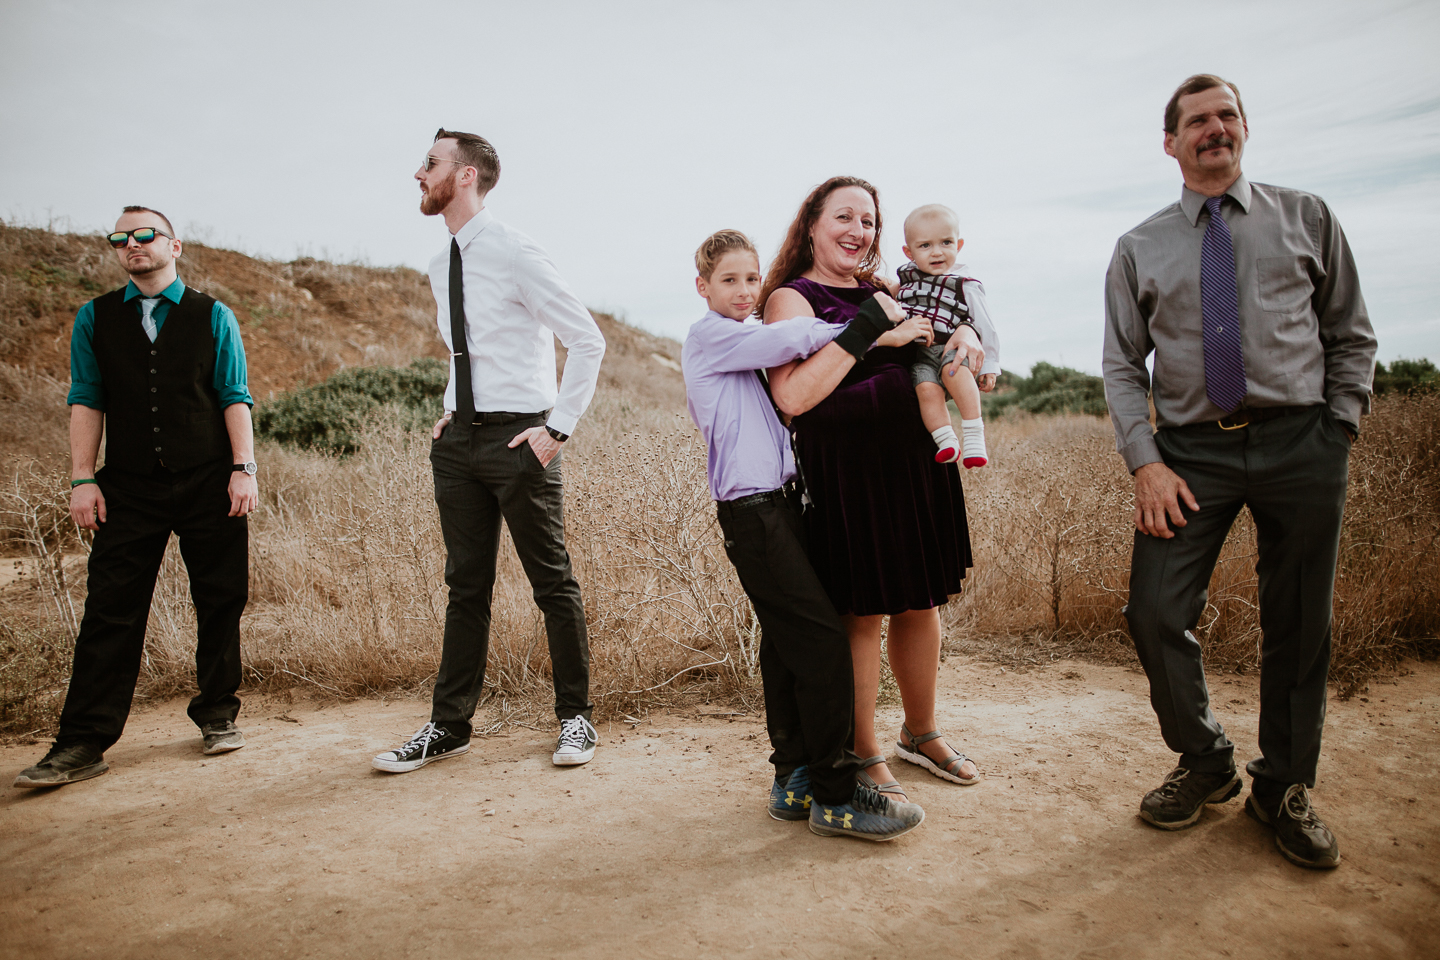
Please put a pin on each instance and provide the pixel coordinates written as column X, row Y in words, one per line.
column 1345, row 330
column 86, row 388
column 984, row 326
column 551, row 301
column 231, row 376
column 1127, row 381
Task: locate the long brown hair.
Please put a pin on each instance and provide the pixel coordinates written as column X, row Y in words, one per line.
column 798, row 255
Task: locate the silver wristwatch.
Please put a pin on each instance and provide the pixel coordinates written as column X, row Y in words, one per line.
column 247, row 467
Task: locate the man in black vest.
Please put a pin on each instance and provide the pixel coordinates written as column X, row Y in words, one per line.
column 165, row 366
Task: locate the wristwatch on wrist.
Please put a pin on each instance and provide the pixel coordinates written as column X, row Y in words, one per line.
column 556, row 435
column 248, row 467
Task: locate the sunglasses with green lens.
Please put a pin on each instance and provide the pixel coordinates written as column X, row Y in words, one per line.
column 141, row 234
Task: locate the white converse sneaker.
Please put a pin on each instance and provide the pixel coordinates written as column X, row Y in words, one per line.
column 577, row 743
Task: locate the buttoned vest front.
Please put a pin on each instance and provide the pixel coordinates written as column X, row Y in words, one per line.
column 161, row 405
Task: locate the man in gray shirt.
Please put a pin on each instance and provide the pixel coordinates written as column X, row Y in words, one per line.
column 1248, row 297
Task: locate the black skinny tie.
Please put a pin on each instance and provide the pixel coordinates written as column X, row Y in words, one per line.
column 459, row 347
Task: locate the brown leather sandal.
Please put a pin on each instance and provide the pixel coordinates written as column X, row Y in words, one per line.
column 891, row 786
column 908, row 747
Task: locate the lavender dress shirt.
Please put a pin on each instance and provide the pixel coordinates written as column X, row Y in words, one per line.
column 749, row 448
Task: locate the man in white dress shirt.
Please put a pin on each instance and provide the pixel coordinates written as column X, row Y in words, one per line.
column 496, row 452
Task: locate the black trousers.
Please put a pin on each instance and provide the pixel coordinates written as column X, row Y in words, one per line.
column 142, row 511
column 478, row 481
column 1291, row 472
column 805, row 663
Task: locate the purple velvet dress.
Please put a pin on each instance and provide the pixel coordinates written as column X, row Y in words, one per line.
column 887, row 532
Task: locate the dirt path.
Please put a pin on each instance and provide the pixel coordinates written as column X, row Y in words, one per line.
column 661, row 847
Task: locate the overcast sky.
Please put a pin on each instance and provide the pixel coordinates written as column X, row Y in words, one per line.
column 627, row 132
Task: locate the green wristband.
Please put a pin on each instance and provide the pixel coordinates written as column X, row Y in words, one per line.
column 76, row 483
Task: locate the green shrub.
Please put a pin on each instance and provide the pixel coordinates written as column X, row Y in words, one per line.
column 1048, row 389
column 1407, row 376
column 331, row 415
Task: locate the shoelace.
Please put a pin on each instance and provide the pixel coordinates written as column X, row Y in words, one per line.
column 1297, row 805
column 1171, row 786
column 427, row 735
column 868, row 800
column 576, row 732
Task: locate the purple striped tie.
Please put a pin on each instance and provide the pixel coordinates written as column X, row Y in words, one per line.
column 1220, row 309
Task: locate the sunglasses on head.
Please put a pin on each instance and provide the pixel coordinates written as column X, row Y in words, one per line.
column 141, row 234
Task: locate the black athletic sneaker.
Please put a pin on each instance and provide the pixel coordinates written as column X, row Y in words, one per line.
column 1177, row 803
column 62, row 765
column 790, row 800
column 221, row 736
column 1301, row 835
column 868, row 816
column 429, row 743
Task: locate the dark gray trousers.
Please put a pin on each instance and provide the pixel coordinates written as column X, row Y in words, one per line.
column 1291, row 472
column 478, row 481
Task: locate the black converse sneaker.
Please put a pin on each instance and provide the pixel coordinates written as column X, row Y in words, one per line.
column 577, row 743
column 429, row 743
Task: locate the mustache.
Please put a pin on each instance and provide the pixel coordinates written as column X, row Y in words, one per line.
column 1214, row 143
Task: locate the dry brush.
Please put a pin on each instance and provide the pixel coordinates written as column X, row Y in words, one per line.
column 348, row 595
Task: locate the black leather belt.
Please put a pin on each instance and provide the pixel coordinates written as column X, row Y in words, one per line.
column 500, row 418
column 1248, row 415
column 753, row 500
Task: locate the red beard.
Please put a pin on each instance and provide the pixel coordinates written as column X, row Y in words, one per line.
column 438, row 197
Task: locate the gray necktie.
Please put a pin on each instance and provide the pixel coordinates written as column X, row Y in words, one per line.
column 147, row 307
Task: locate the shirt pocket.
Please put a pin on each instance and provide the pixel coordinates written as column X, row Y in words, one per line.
column 1284, row 283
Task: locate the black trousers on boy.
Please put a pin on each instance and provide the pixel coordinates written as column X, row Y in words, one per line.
column 479, row 480
column 1291, row 473
column 142, row 511
column 805, row 663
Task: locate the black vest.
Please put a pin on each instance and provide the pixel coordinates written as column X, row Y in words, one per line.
column 160, row 400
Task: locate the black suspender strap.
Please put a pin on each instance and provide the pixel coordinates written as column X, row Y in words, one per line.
column 799, row 480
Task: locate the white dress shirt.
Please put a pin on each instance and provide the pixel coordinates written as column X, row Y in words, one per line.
column 515, row 306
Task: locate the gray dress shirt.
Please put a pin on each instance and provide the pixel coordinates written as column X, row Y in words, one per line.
column 1304, row 329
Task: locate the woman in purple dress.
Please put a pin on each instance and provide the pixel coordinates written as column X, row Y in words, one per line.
column 887, row 531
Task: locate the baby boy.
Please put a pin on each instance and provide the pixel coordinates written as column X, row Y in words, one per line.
column 931, row 286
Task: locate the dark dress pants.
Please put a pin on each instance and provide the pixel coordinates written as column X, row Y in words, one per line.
column 142, row 512
column 805, row 663
column 479, row 480
column 1291, row 472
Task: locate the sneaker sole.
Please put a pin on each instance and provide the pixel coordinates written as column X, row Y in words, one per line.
column 1226, row 793
column 823, row 831
column 787, row 816
column 405, row 766
column 572, row 759
column 81, row 773
column 210, row 751
column 920, row 760
column 1294, row 858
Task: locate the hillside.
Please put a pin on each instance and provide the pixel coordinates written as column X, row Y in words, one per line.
column 301, row 321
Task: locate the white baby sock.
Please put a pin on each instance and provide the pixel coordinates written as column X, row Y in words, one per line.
column 974, row 431
column 948, row 443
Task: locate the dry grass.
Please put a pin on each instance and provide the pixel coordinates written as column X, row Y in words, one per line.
column 1051, row 524
column 348, row 596
column 346, row 559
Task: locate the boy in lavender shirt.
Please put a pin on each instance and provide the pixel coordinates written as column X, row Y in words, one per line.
column 804, row 653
